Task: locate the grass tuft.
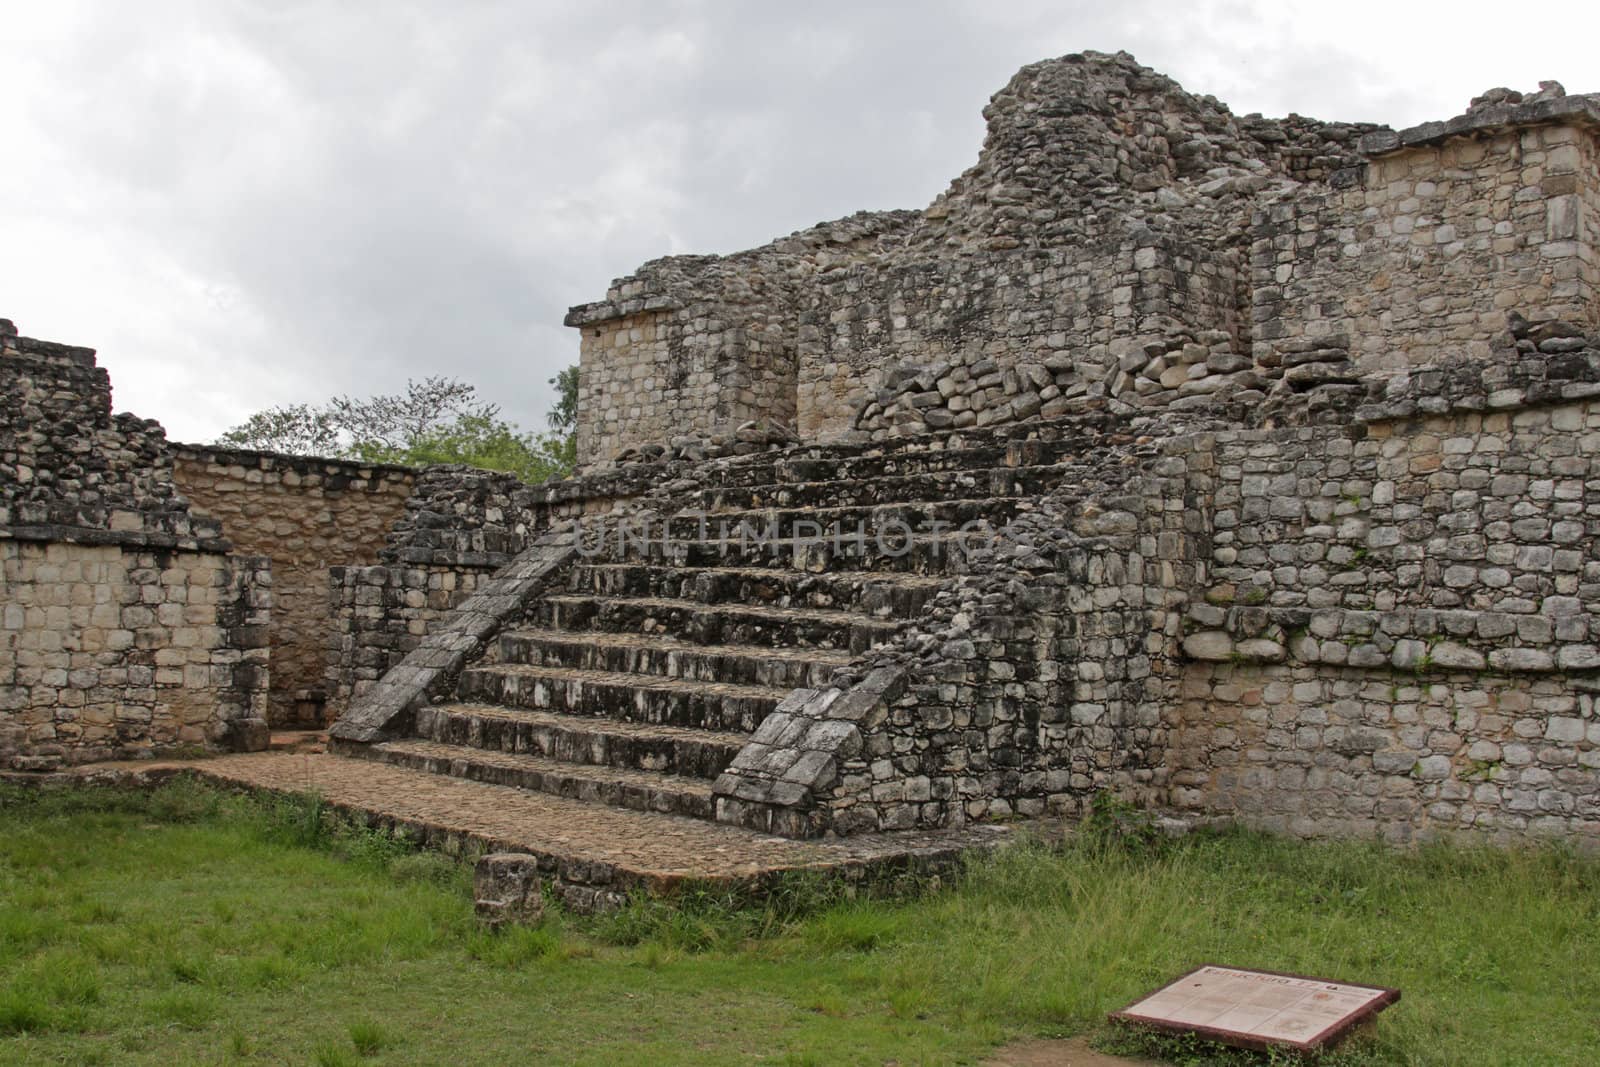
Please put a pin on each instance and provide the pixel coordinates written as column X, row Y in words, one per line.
column 369, row 1038
column 21, row 1013
column 334, row 1054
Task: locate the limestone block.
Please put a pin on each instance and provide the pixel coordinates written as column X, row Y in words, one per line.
column 1213, row 645
column 507, row 889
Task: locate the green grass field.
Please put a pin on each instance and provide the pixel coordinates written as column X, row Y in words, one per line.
column 191, row 926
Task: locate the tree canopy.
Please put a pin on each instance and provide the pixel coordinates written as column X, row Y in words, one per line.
column 436, row 420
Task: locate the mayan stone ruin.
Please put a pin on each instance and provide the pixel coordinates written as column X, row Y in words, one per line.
column 1240, row 468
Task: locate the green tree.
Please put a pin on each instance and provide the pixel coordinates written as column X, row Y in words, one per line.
column 404, row 420
column 564, row 416
column 436, row 420
column 297, row 429
column 478, row 441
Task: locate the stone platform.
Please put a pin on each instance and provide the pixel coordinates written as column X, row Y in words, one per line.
column 594, row 855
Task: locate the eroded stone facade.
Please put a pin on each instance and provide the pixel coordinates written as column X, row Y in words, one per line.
column 1423, row 258
column 1121, row 245
column 127, row 626
column 118, row 652
column 307, row 516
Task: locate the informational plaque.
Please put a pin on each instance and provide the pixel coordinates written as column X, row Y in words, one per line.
column 1258, row 1009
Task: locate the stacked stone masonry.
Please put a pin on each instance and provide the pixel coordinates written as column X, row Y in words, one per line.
column 1388, row 262
column 1119, row 245
column 116, row 652
column 307, row 516
column 126, row 626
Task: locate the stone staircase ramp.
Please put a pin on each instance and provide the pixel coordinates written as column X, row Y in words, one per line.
column 784, row 522
column 638, row 679
column 618, row 787
column 658, row 654
column 922, row 555
column 639, row 682
column 876, row 593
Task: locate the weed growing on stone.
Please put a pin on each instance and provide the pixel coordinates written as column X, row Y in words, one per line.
column 1187, row 1050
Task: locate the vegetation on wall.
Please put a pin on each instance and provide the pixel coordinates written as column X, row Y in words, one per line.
column 436, row 420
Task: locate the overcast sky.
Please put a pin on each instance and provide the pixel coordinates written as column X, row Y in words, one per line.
column 243, row 204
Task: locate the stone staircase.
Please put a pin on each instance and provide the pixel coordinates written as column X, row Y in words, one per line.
column 638, row 682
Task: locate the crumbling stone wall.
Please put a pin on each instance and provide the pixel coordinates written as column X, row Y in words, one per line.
column 307, row 516
column 692, row 347
column 1442, row 234
column 1107, row 213
column 1113, row 230
column 126, row 627
column 67, row 462
column 1080, row 310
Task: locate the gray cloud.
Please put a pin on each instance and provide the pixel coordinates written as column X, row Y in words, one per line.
column 244, row 204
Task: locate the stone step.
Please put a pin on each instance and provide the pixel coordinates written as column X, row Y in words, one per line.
column 628, row 697
column 615, row 786
column 658, row 654
column 916, row 456
column 878, row 524
column 593, row 856
column 881, row 594
column 930, row 555
column 961, row 483
column 576, row 739
column 717, row 624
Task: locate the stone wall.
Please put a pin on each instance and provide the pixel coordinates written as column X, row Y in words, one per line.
column 379, row 614
column 1080, row 310
column 307, row 516
column 1442, row 236
column 459, row 528
column 112, row 651
column 1321, row 751
column 1400, row 633
column 660, row 375
column 696, row 346
column 1589, row 207
column 67, row 462
column 126, row 627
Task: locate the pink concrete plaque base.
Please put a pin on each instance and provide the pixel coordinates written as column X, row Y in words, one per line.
column 1258, row 1009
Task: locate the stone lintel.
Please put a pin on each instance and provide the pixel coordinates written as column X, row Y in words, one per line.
column 611, row 310
column 1582, row 111
column 48, row 351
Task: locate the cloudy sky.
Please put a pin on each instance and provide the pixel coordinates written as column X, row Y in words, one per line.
column 243, row 203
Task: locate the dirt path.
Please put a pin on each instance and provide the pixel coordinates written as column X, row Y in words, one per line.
column 1072, row 1052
